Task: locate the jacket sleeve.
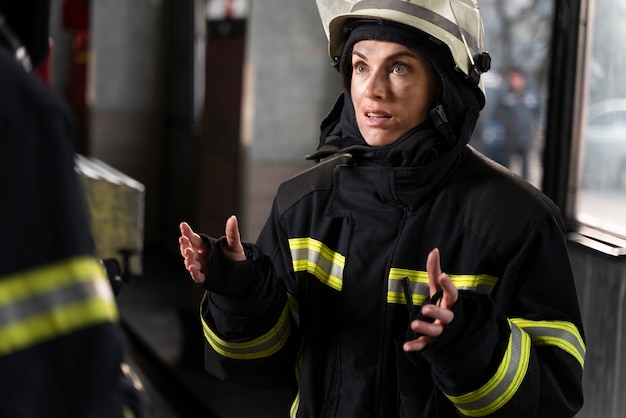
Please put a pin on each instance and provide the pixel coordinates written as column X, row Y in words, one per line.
column 523, row 348
column 250, row 337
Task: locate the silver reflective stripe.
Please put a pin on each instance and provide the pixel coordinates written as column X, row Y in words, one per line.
column 52, row 300
column 505, row 382
column 420, row 290
column 561, row 334
column 41, row 303
column 413, row 10
column 310, row 255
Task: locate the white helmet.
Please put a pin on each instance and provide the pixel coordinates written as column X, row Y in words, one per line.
column 454, row 23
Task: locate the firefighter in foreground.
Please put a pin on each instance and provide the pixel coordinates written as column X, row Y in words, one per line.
column 61, row 350
column 344, row 295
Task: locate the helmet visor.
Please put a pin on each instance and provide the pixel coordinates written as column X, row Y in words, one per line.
column 467, row 18
column 328, row 9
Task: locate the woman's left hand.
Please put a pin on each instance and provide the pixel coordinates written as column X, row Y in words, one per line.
column 442, row 313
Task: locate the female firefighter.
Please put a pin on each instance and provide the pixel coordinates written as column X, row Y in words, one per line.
column 344, row 297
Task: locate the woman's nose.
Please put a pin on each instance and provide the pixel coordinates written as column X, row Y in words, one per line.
column 376, row 85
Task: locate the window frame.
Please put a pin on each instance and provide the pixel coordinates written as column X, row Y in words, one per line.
column 567, row 102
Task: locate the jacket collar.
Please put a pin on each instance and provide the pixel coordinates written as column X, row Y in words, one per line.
column 407, row 173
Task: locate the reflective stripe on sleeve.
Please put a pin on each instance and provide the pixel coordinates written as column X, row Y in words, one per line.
column 294, row 309
column 260, row 347
column 310, row 255
column 560, row 334
column 505, row 382
column 418, row 284
column 295, row 405
column 51, row 301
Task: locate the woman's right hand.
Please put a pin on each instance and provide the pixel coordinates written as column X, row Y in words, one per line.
column 197, row 253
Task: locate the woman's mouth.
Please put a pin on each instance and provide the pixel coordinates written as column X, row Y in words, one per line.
column 376, row 118
column 375, row 115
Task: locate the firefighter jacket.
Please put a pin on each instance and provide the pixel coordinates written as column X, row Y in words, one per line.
column 60, row 347
column 319, row 303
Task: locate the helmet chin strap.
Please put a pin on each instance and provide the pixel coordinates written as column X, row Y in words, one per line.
column 439, row 119
column 8, row 38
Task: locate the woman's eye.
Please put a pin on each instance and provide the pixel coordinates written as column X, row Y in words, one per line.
column 400, row 69
column 359, row 67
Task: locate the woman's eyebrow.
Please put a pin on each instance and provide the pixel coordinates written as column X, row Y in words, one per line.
column 390, row 57
column 357, row 53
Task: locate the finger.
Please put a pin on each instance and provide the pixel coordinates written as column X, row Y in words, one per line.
column 433, row 268
column 233, row 239
column 427, row 329
column 193, row 238
column 429, row 332
column 450, row 292
column 193, row 266
column 196, row 275
column 189, row 257
column 183, row 243
column 416, row 345
column 440, row 314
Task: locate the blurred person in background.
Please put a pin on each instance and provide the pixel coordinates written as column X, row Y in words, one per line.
column 516, row 116
column 344, row 296
column 61, row 349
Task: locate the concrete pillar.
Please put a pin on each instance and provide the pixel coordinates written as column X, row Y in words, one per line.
column 290, row 86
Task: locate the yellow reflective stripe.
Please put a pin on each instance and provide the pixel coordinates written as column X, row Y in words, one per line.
column 418, row 282
column 50, row 301
column 128, row 413
column 260, row 347
column 505, row 382
column 294, row 308
column 482, row 283
column 310, row 255
column 41, row 279
column 293, row 410
column 561, row 334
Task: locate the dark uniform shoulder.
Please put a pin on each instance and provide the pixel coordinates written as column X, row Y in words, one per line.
column 495, row 203
column 24, row 94
column 316, row 178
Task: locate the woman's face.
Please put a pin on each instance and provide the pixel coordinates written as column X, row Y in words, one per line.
column 392, row 89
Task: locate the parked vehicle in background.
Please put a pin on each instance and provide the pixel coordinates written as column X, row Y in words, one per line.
column 604, row 161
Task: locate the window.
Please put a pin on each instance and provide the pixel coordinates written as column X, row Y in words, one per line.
column 600, row 201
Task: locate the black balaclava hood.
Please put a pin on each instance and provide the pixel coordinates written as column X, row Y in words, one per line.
column 458, row 97
column 29, row 22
